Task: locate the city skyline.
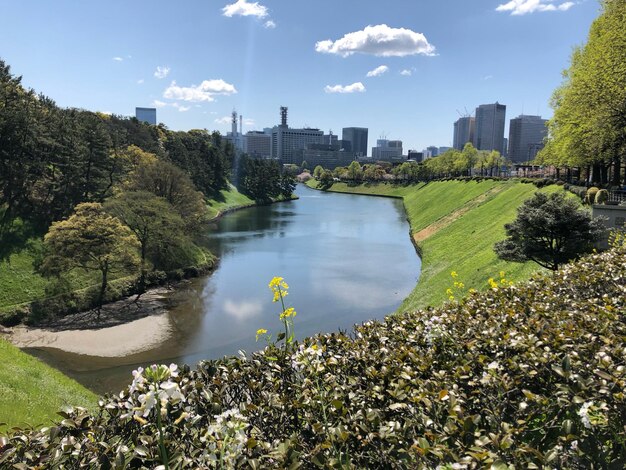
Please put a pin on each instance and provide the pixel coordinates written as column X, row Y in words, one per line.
column 441, row 58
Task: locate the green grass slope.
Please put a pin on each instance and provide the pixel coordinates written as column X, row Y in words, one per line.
column 31, row 392
column 456, row 224
column 229, row 199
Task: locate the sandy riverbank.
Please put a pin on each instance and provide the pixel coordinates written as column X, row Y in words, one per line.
column 122, row 328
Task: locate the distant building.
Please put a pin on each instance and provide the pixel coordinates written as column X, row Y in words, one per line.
column 526, row 135
column 287, row 143
column 146, row 115
column 331, row 139
column 357, row 136
column 328, row 156
column 235, row 136
column 387, row 150
column 415, row 155
column 489, row 132
column 258, row 144
column 444, row 149
column 431, row 152
column 463, row 132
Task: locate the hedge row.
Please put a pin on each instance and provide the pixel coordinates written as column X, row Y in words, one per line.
column 520, row 376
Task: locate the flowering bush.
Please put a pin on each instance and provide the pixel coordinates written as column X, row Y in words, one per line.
column 531, row 375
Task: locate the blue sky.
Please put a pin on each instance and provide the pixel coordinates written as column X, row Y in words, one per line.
column 198, row 59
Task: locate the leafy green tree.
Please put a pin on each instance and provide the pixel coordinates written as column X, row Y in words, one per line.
column 166, row 180
column 589, row 125
column 326, row 179
column 155, row 223
column 92, row 240
column 355, row 172
column 317, row 172
column 549, row 230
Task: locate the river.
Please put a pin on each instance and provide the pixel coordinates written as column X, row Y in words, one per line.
column 347, row 259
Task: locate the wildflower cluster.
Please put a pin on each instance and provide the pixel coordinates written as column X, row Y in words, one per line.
column 504, row 282
column 457, row 289
column 528, row 377
column 279, row 289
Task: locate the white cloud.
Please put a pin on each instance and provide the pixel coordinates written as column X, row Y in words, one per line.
column 181, row 108
column 223, row 120
column 161, row 72
column 140, row 81
column 269, row 24
column 406, row 73
column 379, row 40
column 242, row 310
column 118, row 59
column 354, row 88
column 378, row 71
column 203, row 92
column 158, row 104
column 487, row 77
column 523, row 7
column 243, row 8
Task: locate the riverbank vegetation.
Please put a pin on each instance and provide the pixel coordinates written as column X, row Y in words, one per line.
column 528, row 375
column 162, row 185
column 455, row 224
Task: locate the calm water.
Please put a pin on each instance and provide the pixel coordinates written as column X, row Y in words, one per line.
column 347, row 259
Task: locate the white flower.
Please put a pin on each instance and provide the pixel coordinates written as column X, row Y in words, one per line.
column 584, row 414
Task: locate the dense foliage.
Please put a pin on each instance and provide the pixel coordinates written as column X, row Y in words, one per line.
column 588, row 129
column 520, row 376
column 264, row 180
column 52, row 159
column 549, row 230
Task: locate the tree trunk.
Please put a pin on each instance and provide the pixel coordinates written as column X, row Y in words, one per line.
column 604, row 174
column 617, row 164
column 103, row 286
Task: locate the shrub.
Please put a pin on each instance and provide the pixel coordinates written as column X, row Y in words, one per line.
column 590, row 197
column 602, row 196
column 527, row 376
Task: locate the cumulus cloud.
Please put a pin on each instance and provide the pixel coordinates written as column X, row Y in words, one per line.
column 380, row 40
column 406, row 73
column 378, row 71
column 158, row 104
column 523, row 7
column 197, row 93
column 269, row 24
column 243, row 8
column 223, row 120
column 118, row 59
column 357, row 87
column 161, row 72
column 140, row 81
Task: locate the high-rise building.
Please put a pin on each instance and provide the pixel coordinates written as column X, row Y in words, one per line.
column 431, row 152
column 146, row 115
column 489, row 133
column 387, row 150
column 526, row 135
column 235, row 136
column 258, row 144
column 463, row 132
column 357, row 136
column 287, row 142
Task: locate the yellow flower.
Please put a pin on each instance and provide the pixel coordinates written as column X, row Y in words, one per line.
column 279, row 288
column 502, row 273
column 449, row 292
column 472, row 291
column 454, row 274
column 461, row 285
column 288, row 313
column 493, row 283
column 451, row 297
column 260, row 332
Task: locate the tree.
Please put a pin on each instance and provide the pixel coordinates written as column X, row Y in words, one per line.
column 92, row 240
column 549, row 230
column 589, row 124
column 155, row 223
column 355, row 172
column 317, row 172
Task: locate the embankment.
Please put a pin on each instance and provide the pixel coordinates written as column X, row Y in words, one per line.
column 455, row 225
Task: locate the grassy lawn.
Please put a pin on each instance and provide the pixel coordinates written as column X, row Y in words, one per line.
column 456, row 224
column 31, row 392
column 230, row 199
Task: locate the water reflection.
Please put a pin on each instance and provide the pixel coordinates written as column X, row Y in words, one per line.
column 347, row 259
